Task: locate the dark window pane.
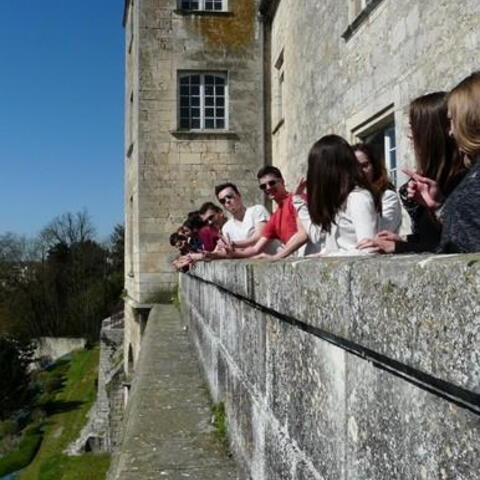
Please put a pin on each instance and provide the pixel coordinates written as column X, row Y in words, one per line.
column 219, row 81
column 195, row 123
column 208, row 5
column 220, row 90
column 209, row 101
column 184, row 102
column 218, row 6
column 208, row 90
column 184, row 123
column 184, row 90
column 195, row 101
column 220, row 102
column 220, row 112
column 195, row 79
column 185, row 112
column 195, row 90
column 209, row 79
column 195, row 112
column 209, row 112
column 209, row 123
column 184, row 80
column 220, row 123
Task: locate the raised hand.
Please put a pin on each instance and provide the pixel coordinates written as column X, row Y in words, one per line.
column 423, row 190
column 301, row 186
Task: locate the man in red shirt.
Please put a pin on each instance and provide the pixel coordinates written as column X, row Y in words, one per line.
column 283, row 225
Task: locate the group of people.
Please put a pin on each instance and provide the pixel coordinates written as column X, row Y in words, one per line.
column 347, row 204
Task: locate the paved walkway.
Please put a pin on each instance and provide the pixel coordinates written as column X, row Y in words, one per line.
column 168, row 432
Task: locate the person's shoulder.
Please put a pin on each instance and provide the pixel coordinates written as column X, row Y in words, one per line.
column 228, row 225
column 258, row 210
column 359, row 194
column 390, row 196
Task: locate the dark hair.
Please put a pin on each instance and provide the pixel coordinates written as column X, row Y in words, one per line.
column 223, row 186
column 436, row 154
column 381, row 180
column 194, row 222
column 209, row 206
column 333, row 172
column 269, row 170
column 175, row 237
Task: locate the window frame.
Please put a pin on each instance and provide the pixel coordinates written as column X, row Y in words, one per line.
column 202, row 6
column 189, row 73
column 382, row 121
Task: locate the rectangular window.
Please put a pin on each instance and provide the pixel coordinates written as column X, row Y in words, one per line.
column 203, row 5
column 383, row 139
column 203, row 101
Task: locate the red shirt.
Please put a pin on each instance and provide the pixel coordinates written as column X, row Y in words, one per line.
column 282, row 224
column 209, row 236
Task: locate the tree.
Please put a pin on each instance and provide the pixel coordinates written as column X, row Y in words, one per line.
column 68, row 228
column 15, row 357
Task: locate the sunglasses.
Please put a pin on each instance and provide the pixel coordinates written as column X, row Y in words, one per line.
column 228, row 196
column 269, row 184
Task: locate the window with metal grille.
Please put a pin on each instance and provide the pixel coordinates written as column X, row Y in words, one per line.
column 203, row 101
column 215, row 5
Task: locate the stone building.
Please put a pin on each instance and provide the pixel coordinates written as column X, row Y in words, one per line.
column 217, row 88
column 193, row 96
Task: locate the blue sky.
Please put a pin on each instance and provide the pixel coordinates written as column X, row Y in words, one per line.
column 61, row 112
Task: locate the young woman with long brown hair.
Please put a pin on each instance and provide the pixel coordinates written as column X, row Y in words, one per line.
column 439, row 168
column 341, row 202
column 373, row 168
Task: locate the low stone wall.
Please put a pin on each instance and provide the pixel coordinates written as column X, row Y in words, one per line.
column 50, row 349
column 102, row 432
column 344, row 368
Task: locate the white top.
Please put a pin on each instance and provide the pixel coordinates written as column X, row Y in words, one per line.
column 237, row 231
column 356, row 220
column 391, row 218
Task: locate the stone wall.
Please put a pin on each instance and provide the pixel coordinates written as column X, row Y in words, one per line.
column 105, row 419
column 401, row 50
column 50, row 349
column 344, row 368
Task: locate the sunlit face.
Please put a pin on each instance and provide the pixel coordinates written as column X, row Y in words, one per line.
column 230, row 199
column 213, row 218
column 272, row 186
column 365, row 165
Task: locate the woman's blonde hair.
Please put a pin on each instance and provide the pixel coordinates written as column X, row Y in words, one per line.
column 464, row 109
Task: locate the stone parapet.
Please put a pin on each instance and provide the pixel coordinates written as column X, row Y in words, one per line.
column 342, row 368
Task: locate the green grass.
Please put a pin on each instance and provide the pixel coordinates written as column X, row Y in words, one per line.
column 67, row 410
column 219, row 422
column 24, row 454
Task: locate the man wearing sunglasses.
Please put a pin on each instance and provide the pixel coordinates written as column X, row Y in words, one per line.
column 246, row 224
column 283, row 225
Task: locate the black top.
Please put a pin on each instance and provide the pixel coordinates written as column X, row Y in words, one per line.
column 426, row 229
column 461, row 215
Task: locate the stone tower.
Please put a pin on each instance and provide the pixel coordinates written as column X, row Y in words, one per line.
column 193, row 119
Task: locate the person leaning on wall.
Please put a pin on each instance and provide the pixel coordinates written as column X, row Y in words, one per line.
column 461, row 210
column 437, row 160
column 373, row 168
column 343, row 207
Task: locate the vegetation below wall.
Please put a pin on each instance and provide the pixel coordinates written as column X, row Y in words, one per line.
column 66, row 393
